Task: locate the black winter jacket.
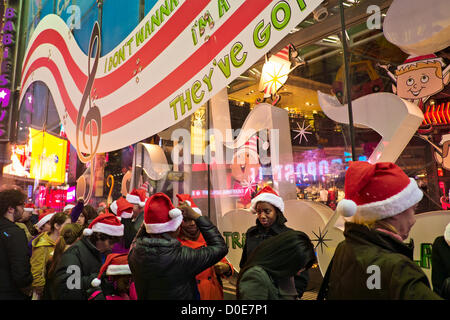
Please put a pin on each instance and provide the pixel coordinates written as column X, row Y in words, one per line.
column 257, row 234
column 440, row 267
column 163, row 269
column 82, row 257
column 15, row 268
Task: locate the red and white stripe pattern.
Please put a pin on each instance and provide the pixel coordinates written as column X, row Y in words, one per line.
column 167, row 63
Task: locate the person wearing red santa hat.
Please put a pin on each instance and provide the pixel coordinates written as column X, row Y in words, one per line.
column 373, row 262
column 162, row 268
column 124, row 210
column 270, row 221
column 209, row 281
column 120, row 285
column 137, row 198
column 81, row 262
column 43, row 224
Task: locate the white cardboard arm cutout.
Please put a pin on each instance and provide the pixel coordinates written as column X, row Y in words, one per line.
column 394, row 118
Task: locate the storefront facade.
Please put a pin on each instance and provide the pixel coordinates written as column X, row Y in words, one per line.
column 220, row 98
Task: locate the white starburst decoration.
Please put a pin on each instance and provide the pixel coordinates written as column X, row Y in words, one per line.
column 301, row 132
column 249, row 186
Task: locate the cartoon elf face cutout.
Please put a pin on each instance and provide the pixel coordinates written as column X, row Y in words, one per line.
column 419, row 78
column 244, row 166
column 420, row 81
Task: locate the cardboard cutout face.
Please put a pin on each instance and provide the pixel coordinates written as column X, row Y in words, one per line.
column 420, row 83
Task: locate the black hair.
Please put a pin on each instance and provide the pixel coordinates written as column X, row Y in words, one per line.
column 11, row 198
column 280, row 220
column 96, row 236
column 282, row 256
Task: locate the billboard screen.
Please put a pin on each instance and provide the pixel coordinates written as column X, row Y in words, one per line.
column 48, row 157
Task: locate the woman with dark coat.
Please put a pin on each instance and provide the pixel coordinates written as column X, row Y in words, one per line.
column 373, row 262
column 162, row 268
column 278, row 258
column 269, row 208
column 440, row 264
column 80, row 264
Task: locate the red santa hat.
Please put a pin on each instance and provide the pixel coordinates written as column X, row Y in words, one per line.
column 160, row 215
column 413, row 60
column 124, row 208
column 377, row 191
column 106, row 223
column 137, row 196
column 115, row 264
column 188, row 199
column 29, row 207
column 267, row 194
column 44, row 218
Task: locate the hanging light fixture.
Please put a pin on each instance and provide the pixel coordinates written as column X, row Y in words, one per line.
column 277, row 68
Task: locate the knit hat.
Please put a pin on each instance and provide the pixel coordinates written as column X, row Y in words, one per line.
column 144, row 187
column 29, row 207
column 68, row 207
column 106, row 223
column 124, row 208
column 160, row 215
column 137, row 196
column 377, row 191
column 44, row 218
column 251, row 147
column 267, row 194
column 115, row 264
column 447, row 234
column 188, row 199
column 113, row 207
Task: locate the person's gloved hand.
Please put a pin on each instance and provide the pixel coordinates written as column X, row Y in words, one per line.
column 188, row 212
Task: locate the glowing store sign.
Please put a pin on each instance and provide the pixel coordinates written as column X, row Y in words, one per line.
column 6, row 67
column 308, row 170
column 71, row 194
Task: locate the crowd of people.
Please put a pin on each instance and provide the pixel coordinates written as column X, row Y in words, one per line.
column 144, row 247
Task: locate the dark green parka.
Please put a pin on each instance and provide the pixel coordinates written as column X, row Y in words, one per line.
column 355, row 268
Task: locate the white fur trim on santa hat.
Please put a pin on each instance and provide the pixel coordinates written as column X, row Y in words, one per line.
column 44, row 220
column 392, row 206
column 118, row 269
column 113, row 207
column 270, row 198
column 346, row 208
column 69, row 207
column 447, row 234
column 169, row 226
column 196, row 209
column 28, row 209
column 115, row 231
column 96, row 282
column 134, row 200
column 126, row 215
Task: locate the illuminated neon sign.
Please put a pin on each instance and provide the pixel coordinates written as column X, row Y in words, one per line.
column 6, row 68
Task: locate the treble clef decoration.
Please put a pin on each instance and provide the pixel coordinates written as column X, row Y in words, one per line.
column 93, row 115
